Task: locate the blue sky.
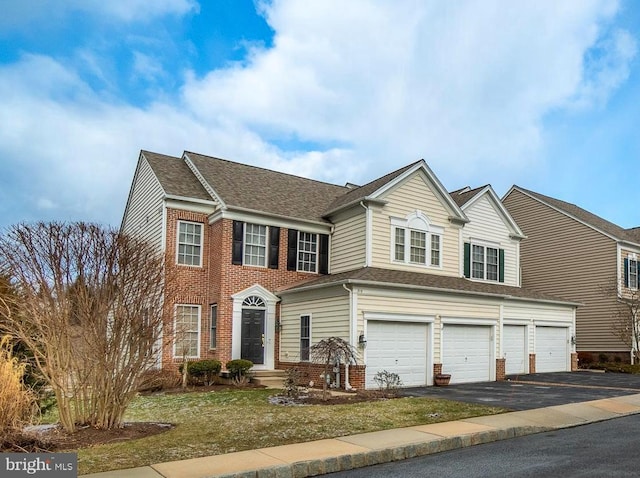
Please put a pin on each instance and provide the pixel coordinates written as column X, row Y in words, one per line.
column 543, row 94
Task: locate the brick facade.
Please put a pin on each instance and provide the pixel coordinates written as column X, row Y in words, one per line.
column 312, row 372
column 217, row 280
column 532, row 363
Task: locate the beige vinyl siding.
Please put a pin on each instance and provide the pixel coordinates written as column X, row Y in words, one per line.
column 329, row 317
column 414, row 194
column 144, row 210
column 565, row 258
column 485, row 223
column 534, row 314
column 348, row 244
column 437, row 306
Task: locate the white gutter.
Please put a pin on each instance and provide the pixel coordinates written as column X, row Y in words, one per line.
column 352, row 330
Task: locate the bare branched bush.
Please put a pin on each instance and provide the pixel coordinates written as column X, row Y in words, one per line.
column 332, row 351
column 90, row 307
column 625, row 316
column 16, row 401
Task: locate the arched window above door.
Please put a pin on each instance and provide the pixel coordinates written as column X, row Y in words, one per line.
column 254, row 301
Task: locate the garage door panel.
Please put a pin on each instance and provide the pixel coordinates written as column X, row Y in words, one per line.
column 514, row 346
column 467, row 353
column 397, row 347
column 552, row 349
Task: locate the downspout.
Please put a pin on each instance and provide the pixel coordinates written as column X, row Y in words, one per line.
column 347, row 385
column 368, row 235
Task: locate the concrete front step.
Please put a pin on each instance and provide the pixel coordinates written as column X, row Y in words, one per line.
column 269, row 378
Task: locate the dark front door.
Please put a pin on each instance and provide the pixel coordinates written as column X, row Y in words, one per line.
column 253, row 335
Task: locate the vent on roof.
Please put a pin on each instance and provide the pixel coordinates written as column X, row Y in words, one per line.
column 351, row 186
column 465, row 189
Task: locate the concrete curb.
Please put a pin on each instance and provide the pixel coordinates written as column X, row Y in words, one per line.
column 356, row 451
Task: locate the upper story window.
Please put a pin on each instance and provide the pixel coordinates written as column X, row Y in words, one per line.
column 189, row 243
column 308, row 252
column 417, row 241
column 483, row 262
column 631, row 272
column 255, row 245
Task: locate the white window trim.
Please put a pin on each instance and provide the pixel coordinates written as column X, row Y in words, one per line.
column 310, row 336
column 485, row 245
column 244, row 245
column 180, row 221
column 317, row 253
column 633, row 257
column 175, row 325
column 417, row 222
column 211, row 307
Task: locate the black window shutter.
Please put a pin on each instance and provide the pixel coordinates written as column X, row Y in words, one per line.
column 292, row 250
column 238, row 236
column 467, row 260
column 626, row 272
column 501, row 265
column 274, row 246
column 323, row 254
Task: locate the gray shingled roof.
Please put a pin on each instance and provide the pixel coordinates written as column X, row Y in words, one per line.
column 634, row 234
column 585, row 216
column 360, row 193
column 426, row 281
column 260, row 189
column 462, row 196
column 175, row 176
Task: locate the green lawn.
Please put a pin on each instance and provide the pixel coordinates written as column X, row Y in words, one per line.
column 228, row 421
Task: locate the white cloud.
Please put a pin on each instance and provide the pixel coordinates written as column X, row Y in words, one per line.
column 465, row 85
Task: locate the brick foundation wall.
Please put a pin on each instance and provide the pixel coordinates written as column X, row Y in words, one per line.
column 532, row 363
column 311, row 372
column 574, row 362
column 500, row 369
column 587, row 357
column 437, row 369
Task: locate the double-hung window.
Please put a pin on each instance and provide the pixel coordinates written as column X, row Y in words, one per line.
column 213, row 342
column 189, row 243
column 484, row 262
column 187, row 331
column 307, row 251
column 305, row 337
column 255, row 245
column 416, row 241
column 631, row 273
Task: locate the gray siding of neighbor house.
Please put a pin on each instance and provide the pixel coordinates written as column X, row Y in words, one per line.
column 144, row 214
column 568, row 259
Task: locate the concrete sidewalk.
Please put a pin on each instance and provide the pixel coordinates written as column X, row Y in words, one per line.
column 355, row 451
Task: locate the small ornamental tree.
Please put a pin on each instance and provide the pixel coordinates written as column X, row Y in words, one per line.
column 625, row 315
column 333, row 350
column 89, row 305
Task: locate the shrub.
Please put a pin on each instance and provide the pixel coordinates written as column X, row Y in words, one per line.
column 388, row 382
column 239, row 367
column 603, row 358
column 203, row 371
column 155, row 380
column 291, row 382
column 17, row 403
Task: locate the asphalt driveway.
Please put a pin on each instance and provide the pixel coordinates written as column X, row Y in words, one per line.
column 526, row 392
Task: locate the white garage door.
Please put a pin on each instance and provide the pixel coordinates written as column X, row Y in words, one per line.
column 552, row 349
column 397, row 347
column 467, row 353
column 514, row 346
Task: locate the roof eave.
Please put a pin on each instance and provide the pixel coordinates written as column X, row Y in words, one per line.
column 366, row 199
column 428, row 289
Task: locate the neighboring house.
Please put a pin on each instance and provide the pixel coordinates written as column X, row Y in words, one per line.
column 417, row 280
column 576, row 254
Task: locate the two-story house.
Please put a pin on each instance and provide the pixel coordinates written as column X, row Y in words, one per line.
column 418, row 280
column 576, row 254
